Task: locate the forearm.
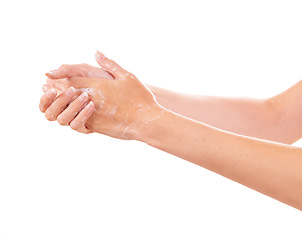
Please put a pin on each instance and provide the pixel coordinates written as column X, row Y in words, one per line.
column 250, row 117
column 270, row 168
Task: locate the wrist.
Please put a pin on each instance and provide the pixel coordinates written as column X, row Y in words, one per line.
column 147, row 125
column 159, row 94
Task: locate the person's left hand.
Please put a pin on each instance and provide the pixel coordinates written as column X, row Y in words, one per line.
column 58, row 79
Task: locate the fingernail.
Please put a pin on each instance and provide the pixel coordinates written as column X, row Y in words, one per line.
column 100, row 55
column 83, row 96
column 70, row 91
column 51, row 93
column 44, row 88
column 52, row 73
column 90, row 104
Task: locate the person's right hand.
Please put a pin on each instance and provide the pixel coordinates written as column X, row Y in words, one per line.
column 58, row 84
column 69, row 108
column 123, row 106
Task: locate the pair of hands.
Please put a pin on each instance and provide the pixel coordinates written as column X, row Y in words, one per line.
column 108, row 100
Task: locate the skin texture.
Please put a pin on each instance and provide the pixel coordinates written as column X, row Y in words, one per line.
column 276, row 118
column 259, row 118
column 76, row 112
column 119, row 103
column 268, row 167
column 126, row 109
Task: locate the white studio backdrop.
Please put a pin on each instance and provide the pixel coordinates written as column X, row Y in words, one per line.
column 58, row 184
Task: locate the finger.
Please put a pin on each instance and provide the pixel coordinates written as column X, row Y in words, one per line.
column 47, row 99
column 66, row 71
column 60, row 84
column 59, row 104
column 88, row 83
column 72, row 110
column 45, row 88
column 78, row 70
column 110, row 66
column 78, row 123
column 84, row 130
column 48, row 86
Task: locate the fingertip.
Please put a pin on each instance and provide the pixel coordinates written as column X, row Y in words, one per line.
column 44, row 88
column 48, row 75
column 51, row 93
column 46, row 100
column 91, row 106
column 99, row 56
column 51, row 74
column 41, row 106
column 89, row 109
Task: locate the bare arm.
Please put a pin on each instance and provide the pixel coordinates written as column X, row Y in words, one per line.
column 278, row 118
column 271, row 168
column 126, row 109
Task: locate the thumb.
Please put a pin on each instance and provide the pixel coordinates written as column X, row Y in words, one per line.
column 110, row 66
column 52, row 74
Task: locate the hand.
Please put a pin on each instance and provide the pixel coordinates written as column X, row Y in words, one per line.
column 57, row 79
column 58, row 83
column 67, row 108
column 123, row 106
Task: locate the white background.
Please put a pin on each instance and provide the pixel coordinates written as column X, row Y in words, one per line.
column 58, row 184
